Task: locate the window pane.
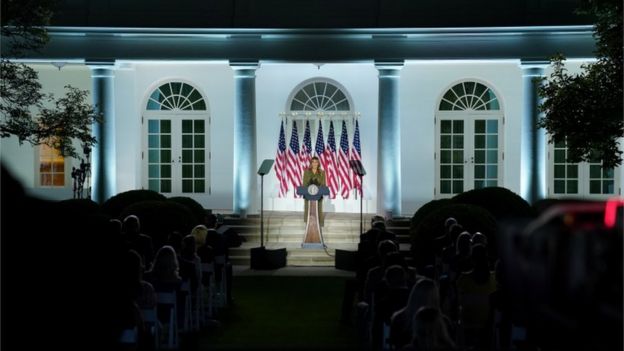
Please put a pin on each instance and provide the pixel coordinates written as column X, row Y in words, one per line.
column 480, row 126
column 199, row 171
column 445, row 172
column 492, row 156
column 187, row 171
column 165, row 141
column 165, row 156
column 478, row 184
column 200, row 156
column 479, row 156
column 458, row 127
column 153, row 156
column 594, row 187
column 573, row 186
column 559, row 187
column 153, row 141
column 165, row 126
column 153, row 171
column 492, row 141
column 187, row 141
column 445, row 106
column 560, row 156
column 490, row 182
column 480, row 141
column 445, row 156
column 445, row 141
column 152, row 126
column 445, row 126
column 480, row 172
column 572, row 171
column 187, row 156
column 186, row 89
column 607, row 172
column 199, row 126
column 458, row 186
column 492, row 171
column 165, row 186
column 458, row 172
column 608, row 187
column 492, row 126
column 199, row 141
column 45, row 167
column 187, row 126
column 46, row 179
column 595, row 171
column 187, row 186
column 445, row 187
column 458, row 156
column 165, row 171
column 458, row 141
column 560, row 171
column 154, row 185
column 58, row 179
column 199, row 186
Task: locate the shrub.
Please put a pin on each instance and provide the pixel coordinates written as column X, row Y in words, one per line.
column 426, row 209
column 161, row 218
column 78, row 207
column 116, row 204
column 198, row 210
column 500, row 202
column 472, row 218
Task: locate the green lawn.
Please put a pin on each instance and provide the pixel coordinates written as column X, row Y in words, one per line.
column 283, row 313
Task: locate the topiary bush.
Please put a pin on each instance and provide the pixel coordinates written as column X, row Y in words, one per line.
column 426, row 209
column 198, row 210
column 501, row 202
column 472, row 218
column 116, row 204
column 161, row 218
column 79, row 207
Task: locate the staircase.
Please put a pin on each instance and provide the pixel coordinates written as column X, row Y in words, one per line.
column 286, row 230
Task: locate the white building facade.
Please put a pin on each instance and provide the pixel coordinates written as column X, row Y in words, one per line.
column 194, row 113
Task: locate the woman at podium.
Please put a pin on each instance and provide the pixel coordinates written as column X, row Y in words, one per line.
column 314, row 175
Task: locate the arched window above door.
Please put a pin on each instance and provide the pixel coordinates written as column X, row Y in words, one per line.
column 176, row 96
column 320, row 95
column 466, row 96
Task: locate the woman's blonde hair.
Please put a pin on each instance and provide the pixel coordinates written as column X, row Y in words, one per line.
column 199, row 233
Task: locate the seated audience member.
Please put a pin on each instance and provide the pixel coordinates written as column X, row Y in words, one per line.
column 199, row 233
column 462, row 262
column 142, row 291
column 136, row 241
column 473, row 294
column 430, row 332
column 478, row 238
column 190, row 263
column 389, row 296
column 424, row 293
column 175, row 241
column 164, row 274
column 375, row 274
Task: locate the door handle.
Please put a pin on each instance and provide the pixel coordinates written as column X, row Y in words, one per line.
column 179, row 159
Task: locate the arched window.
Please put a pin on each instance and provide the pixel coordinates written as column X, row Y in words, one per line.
column 320, row 96
column 469, row 139
column 469, row 96
column 176, row 157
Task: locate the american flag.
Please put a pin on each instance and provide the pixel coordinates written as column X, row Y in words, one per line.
column 280, row 163
column 356, row 154
column 319, row 149
column 306, row 149
column 344, row 171
column 293, row 168
column 330, row 159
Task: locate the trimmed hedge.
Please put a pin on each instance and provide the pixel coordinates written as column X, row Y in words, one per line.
column 501, row 202
column 161, row 218
column 116, row 204
column 427, row 209
column 472, row 218
column 78, row 207
column 198, row 210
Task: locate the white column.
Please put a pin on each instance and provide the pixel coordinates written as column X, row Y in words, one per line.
column 389, row 139
column 103, row 163
column 533, row 141
column 245, row 192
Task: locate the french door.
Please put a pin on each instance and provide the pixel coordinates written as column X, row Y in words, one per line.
column 469, row 153
column 177, row 156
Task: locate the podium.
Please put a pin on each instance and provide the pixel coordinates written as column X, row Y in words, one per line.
column 313, row 238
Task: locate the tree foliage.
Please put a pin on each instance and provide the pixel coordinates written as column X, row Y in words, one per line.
column 25, row 111
column 586, row 109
